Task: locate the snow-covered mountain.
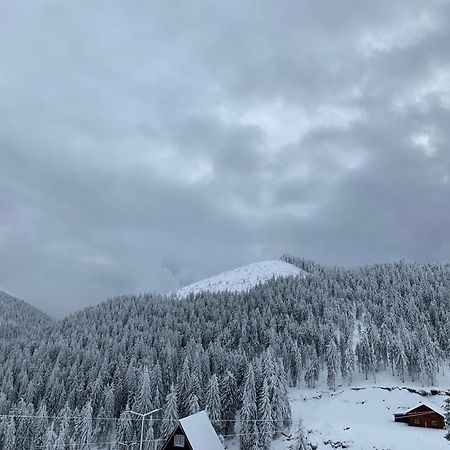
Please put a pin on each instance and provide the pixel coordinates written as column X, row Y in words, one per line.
column 342, row 349
column 18, row 317
column 243, row 278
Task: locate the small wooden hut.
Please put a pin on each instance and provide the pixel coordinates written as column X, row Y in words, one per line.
column 423, row 415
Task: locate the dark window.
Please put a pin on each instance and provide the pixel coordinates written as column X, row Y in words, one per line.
column 433, row 423
column 178, row 440
column 417, row 421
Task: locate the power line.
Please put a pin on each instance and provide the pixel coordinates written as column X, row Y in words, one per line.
column 30, row 416
column 74, row 445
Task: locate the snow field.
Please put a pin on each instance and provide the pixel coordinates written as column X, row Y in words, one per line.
column 242, row 278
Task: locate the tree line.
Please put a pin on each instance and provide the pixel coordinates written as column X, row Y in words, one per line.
column 74, row 381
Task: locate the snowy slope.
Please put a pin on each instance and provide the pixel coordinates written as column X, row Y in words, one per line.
column 363, row 419
column 360, row 417
column 243, row 278
column 19, row 318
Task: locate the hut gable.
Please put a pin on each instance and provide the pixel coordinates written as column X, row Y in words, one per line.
column 423, row 415
column 194, row 433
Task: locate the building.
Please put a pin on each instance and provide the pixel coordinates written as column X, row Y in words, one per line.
column 194, row 433
column 423, row 415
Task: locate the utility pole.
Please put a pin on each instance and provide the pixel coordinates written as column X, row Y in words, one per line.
column 143, row 416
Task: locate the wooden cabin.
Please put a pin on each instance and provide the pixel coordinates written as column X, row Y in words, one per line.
column 194, row 433
column 423, row 415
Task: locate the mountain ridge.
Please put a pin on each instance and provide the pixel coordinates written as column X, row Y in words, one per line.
column 18, row 317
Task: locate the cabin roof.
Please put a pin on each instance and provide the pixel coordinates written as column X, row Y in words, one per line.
column 200, row 432
column 435, row 408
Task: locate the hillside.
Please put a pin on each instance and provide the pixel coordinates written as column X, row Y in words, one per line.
column 19, row 318
column 243, row 278
column 362, row 419
column 250, row 354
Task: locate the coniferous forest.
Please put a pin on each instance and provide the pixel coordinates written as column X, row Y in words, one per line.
column 71, row 383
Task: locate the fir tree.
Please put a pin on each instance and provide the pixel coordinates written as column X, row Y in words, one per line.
column 265, row 423
column 9, row 441
column 170, row 414
column 194, row 407
column 40, row 425
column 125, row 433
column 184, row 387
column 249, row 412
column 228, row 401
column 213, row 405
column 156, row 386
column 447, row 418
column 149, row 437
column 300, row 440
column 60, row 442
column 86, row 426
column 332, row 364
column 143, row 402
column 50, row 438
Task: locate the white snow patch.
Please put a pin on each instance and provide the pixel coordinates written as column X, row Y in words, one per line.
column 243, row 278
column 363, row 420
column 361, row 416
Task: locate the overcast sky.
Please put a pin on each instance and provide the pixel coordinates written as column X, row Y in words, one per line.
column 148, row 144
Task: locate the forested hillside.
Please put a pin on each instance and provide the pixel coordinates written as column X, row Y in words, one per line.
column 233, row 353
column 18, row 318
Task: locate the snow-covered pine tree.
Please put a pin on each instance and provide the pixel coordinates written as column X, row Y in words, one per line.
column 109, row 411
column 249, row 412
column 313, row 370
column 170, row 413
column 40, row 425
column 213, row 405
column 194, row 407
column 332, row 358
column 184, row 388
column 77, row 425
column 61, row 439
column 300, row 440
column 100, row 424
column 24, row 424
column 400, row 359
column 125, row 433
column 447, row 418
column 50, row 437
column 86, row 427
column 149, row 439
column 143, row 402
column 281, row 410
column 265, row 422
column 228, row 401
column 9, row 441
column 156, row 385
column 66, row 422
column 109, row 401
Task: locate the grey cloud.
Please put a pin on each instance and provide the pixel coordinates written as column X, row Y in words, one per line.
column 146, row 145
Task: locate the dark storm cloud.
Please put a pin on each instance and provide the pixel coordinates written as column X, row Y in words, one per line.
column 144, row 145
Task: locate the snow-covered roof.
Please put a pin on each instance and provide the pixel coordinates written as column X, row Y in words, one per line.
column 200, row 432
column 435, row 408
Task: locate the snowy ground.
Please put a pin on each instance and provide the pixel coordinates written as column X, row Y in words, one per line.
column 361, row 417
column 363, row 420
column 243, row 278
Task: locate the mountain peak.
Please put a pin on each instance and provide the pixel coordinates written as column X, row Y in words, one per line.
column 243, row 278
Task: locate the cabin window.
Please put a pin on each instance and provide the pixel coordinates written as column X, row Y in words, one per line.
column 178, row 440
column 417, row 421
column 433, row 423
